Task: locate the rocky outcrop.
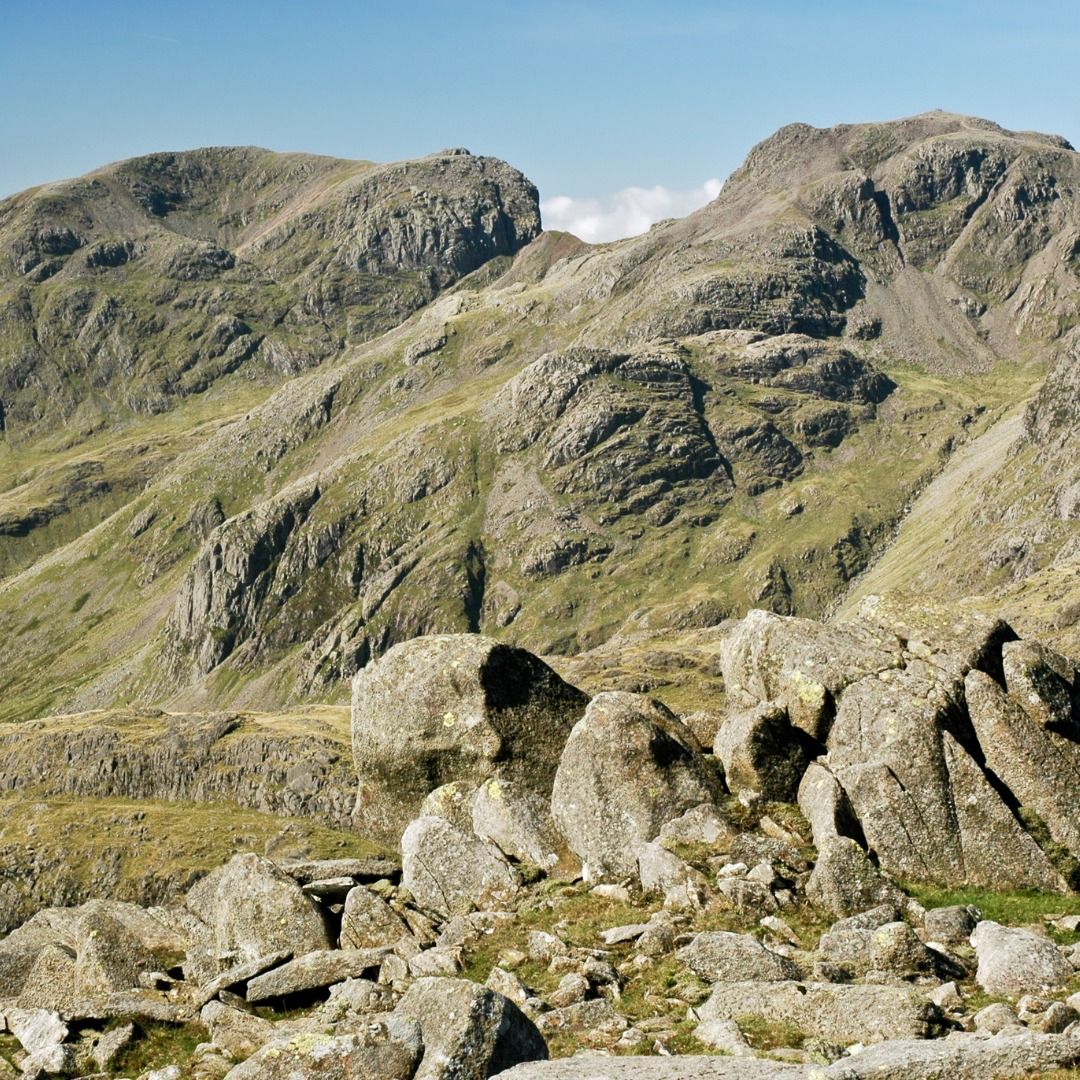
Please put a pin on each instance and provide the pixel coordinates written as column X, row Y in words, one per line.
column 628, row 768
column 926, row 763
column 448, row 708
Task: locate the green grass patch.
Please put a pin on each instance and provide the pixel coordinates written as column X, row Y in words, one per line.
column 1020, row 908
column 763, row 1034
column 157, row 1044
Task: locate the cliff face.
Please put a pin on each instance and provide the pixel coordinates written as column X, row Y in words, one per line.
column 733, row 410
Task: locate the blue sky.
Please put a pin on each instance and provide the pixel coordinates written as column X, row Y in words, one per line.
column 589, row 98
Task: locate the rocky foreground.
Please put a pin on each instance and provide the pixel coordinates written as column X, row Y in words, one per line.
column 786, row 886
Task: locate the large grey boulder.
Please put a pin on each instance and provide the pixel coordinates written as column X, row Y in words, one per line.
column 1016, row 961
column 763, row 752
column 453, row 707
column 720, row 956
column 66, row 959
column 629, row 767
column 368, row 921
column 838, row 1012
column 469, row 1032
column 387, row 1050
column 451, row 871
column 844, row 881
column 824, row 804
column 594, row 1066
column 1016, row 734
column 518, row 821
column 960, row 1056
column 802, row 665
column 1042, row 682
column 314, row 971
column 253, row 908
column 924, row 804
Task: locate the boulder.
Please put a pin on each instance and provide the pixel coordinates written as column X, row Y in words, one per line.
column 238, row 975
column 925, row 807
column 845, row 882
column 469, row 1032
column 628, row 768
column 313, row 971
column 825, row 805
column 596, row 1066
column 1015, row 961
column 763, row 752
column 1042, row 683
column 1039, row 764
column 702, row 825
column 236, row 1031
column 802, row 665
column 665, row 874
column 518, row 821
column 961, row 1056
column 450, row 871
column 253, row 908
column 837, row 1012
column 453, row 707
column 951, row 925
column 68, row 958
column 388, row 1050
column 368, row 921
column 720, row 956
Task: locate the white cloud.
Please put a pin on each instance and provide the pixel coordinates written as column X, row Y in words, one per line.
column 624, row 213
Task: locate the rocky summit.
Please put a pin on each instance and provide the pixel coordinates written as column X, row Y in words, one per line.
column 434, row 648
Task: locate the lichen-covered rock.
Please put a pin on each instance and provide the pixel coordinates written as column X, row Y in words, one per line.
column 825, row 805
column 844, row 881
column 1038, row 764
column 314, row 970
column 70, row 958
column 451, row 871
column 454, row 708
column 469, row 1032
column 389, row 1049
column 802, row 665
column 628, row 768
column 839, row 1012
column 720, row 956
column 763, row 752
column 518, row 821
column 924, row 804
column 253, row 908
column 368, row 921
column 1015, row 961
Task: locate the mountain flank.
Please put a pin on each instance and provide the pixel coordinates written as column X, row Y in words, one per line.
column 430, row 645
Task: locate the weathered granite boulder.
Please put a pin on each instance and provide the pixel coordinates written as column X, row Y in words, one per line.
column 924, row 804
column 469, row 1032
column 451, row 871
column 314, row 970
column 628, row 768
column 720, row 956
column 763, row 752
column 1016, row 961
column 844, row 881
column 453, row 707
column 838, row 1012
column 253, row 908
column 518, row 821
column 802, row 665
column 388, row 1050
column 1042, row 682
column 368, row 921
column 1023, row 747
column 67, row 958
